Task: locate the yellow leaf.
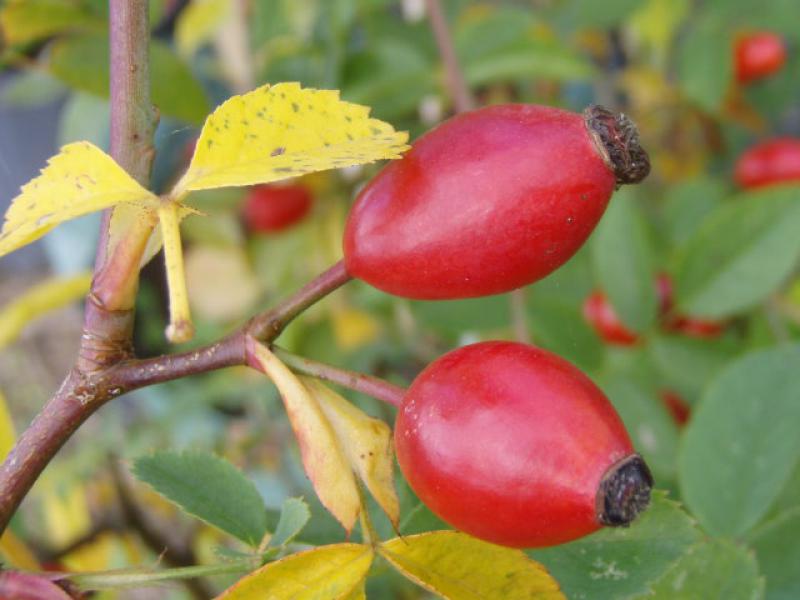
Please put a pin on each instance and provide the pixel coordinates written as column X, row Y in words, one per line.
column 359, row 593
column 354, row 328
column 324, row 458
column 95, row 555
column 180, row 328
column 40, row 299
column 198, row 22
column 325, row 573
column 16, row 552
column 7, row 433
column 283, row 131
column 78, row 180
column 459, row 567
column 367, row 443
column 66, row 514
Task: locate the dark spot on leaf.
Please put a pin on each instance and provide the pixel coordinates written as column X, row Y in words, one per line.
column 278, row 151
column 295, row 107
column 283, row 170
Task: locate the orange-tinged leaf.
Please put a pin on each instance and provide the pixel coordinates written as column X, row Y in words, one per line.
column 366, row 441
column 78, row 180
column 324, row 458
column 459, row 567
column 284, row 131
column 40, row 299
column 326, row 573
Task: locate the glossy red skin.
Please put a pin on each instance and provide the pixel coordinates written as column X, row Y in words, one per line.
column 599, row 313
column 509, row 443
column 677, row 407
column 759, row 55
column 489, row 201
column 271, row 208
column 770, row 162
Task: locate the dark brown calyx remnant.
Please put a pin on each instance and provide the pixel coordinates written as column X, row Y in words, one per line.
column 617, row 140
column 624, row 492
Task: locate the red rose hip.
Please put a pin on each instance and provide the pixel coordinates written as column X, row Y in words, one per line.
column 490, row 200
column 514, row 445
column 271, row 208
column 759, row 55
column 770, row 162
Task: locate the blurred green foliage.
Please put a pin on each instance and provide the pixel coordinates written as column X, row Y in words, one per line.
column 733, row 254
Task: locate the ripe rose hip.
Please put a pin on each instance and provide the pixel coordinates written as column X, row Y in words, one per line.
column 514, row 445
column 599, row 313
column 758, row 55
column 770, row 162
column 270, row 208
column 490, row 200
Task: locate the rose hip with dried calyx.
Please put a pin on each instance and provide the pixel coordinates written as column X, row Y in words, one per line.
column 490, row 200
column 514, row 445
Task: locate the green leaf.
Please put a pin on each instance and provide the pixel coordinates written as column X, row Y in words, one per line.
column 688, row 364
column 558, row 325
column 777, row 546
column 688, row 204
column 617, row 563
column 716, row 569
column 653, row 432
column 209, row 488
column 741, row 254
column 621, row 257
column 294, row 516
column 705, row 63
column 504, row 45
column 590, row 13
column 741, row 444
column 82, row 62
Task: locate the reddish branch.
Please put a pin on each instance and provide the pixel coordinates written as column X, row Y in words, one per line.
column 83, row 393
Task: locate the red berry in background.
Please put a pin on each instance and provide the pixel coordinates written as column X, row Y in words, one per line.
column 770, row 162
column 271, row 208
column 677, row 407
column 599, row 313
column 759, row 55
column 678, row 323
column 490, row 200
column 514, row 445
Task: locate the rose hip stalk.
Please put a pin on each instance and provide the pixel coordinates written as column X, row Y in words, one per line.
column 490, row 200
column 514, row 445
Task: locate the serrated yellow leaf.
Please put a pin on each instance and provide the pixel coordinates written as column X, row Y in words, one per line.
column 80, row 179
column 197, row 23
column 39, row 300
column 459, row 567
column 17, row 553
column 8, row 434
column 283, row 131
column 325, row 573
column 324, row 459
column 366, row 441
